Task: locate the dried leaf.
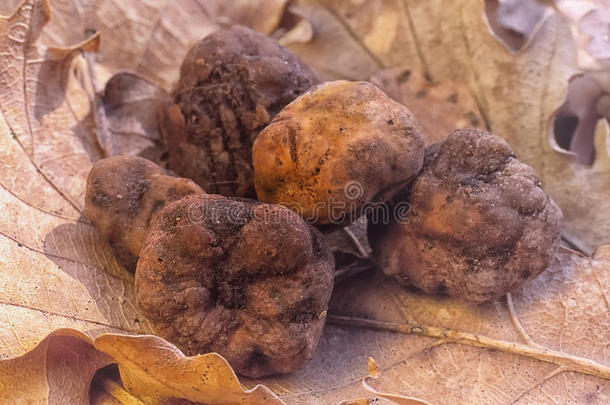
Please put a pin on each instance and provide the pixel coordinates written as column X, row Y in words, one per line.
column 53, row 263
column 375, row 373
column 353, row 62
column 515, row 21
column 588, row 21
column 155, row 371
column 152, row 37
column 130, row 104
column 442, row 107
column 57, row 371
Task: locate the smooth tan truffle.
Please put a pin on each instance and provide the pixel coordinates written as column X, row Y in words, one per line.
column 232, row 83
column 479, row 223
column 248, row 280
column 337, row 147
column 124, row 194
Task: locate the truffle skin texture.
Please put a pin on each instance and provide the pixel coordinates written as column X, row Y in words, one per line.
column 335, row 149
column 232, row 83
column 479, row 223
column 124, row 194
column 247, row 280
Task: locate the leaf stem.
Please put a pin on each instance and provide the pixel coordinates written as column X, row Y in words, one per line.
column 117, row 391
column 567, row 361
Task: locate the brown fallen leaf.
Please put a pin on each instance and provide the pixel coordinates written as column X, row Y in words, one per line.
column 588, row 21
column 52, row 277
column 58, row 370
column 155, row 371
column 515, row 22
column 152, row 37
column 129, row 106
column 375, row 373
column 354, row 62
column 442, row 107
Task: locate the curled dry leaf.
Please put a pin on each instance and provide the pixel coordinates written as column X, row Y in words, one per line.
column 154, row 371
column 294, row 29
column 59, row 370
column 130, row 104
column 575, row 122
column 57, row 273
column 515, row 22
column 588, row 21
column 329, row 35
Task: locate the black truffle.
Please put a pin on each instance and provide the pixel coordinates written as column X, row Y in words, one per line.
column 479, row 223
column 232, row 83
column 248, row 280
column 124, row 194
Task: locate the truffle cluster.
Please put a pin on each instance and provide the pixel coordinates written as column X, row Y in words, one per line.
column 251, row 280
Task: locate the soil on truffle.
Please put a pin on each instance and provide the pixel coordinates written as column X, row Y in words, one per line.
column 232, row 84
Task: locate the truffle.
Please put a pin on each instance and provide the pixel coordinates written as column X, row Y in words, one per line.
column 335, row 150
column 232, row 83
column 479, row 223
column 248, row 280
column 124, row 194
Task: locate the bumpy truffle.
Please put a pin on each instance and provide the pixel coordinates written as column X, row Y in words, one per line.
column 334, row 149
column 124, row 194
column 247, row 280
column 479, row 223
column 232, row 83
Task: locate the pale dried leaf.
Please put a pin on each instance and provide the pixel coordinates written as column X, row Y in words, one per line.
column 588, row 21
column 441, row 107
column 515, row 22
column 154, row 371
column 152, row 37
column 130, row 104
column 300, row 32
column 60, row 274
column 375, row 373
column 57, row 371
column 56, row 272
column 53, row 263
column 329, row 35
